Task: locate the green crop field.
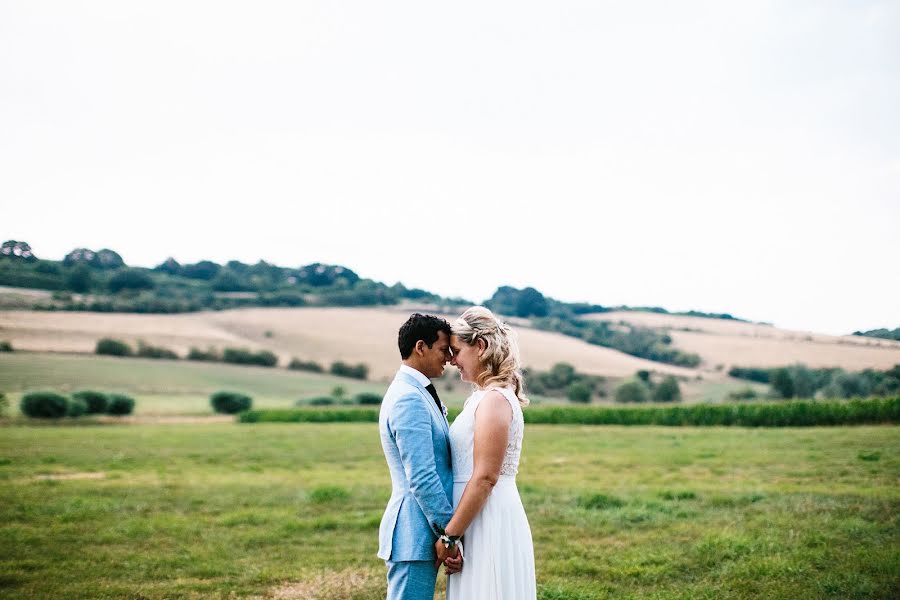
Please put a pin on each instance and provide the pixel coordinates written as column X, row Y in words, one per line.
column 169, row 387
column 291, row 511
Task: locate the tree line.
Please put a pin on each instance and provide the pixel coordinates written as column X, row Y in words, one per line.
column 800, row 381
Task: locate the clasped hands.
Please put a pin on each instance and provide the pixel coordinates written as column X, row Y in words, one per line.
column 451, row 558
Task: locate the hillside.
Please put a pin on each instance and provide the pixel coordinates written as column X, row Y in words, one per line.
column 321, row 334
column 730, row 343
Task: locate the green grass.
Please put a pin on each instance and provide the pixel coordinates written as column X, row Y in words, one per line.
column 227, row 510
column 170, row 387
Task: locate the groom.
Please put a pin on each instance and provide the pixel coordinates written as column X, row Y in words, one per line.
column 416, row 443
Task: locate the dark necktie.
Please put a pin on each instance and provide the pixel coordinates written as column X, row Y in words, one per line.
column 431, row 390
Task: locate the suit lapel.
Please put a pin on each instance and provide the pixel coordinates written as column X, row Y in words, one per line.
column 435, row 411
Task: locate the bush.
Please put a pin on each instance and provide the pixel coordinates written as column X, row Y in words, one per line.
column 96, row 402
column 299, row 365
column 667, row 391
column 241, row 356
column 230, row 402
column 579, row 392
column 632, row 391
column 321, row 401
column 44, row 405
column 5, row 346
column 113, row 347
column 746, row 393
column 211, row 354
column 341, row 369
column 780, row 414
column 4, row 404
column 148, row 351
column 368, row 398
column 130, row 279
column 77, row 407
column 757, row 374
column 120, row 404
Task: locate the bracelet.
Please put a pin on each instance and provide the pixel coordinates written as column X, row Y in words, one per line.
column 450, row 541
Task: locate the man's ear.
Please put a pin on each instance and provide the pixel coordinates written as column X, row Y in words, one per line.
column 420, row 347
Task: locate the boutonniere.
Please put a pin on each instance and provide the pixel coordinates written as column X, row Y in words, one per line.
column 444, row 409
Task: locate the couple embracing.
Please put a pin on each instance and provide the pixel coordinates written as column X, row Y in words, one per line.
column 454, row 499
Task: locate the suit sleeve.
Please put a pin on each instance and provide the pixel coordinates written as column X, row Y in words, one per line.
column 410, row 423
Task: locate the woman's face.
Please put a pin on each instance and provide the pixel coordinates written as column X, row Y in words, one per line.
column 466, row 358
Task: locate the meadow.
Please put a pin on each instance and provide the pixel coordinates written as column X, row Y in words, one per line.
column 220, row 509
column 291, row 511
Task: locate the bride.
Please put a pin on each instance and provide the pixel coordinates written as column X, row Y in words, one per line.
column 486, row 442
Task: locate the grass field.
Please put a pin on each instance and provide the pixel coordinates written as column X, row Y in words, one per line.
column 178, row 387
column 291, row 511
column 166, row 387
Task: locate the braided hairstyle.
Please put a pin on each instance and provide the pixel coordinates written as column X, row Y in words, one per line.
column 500, row 359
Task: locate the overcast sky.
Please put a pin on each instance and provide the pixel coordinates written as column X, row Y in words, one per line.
column 738, row 157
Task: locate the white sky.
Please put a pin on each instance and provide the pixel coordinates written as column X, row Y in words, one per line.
column 737, row 157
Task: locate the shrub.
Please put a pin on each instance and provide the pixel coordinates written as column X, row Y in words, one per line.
column 757, row 374
column 148, row 351
column 77, row 407
column 4, row 404
column 632, row 391
column 230, row 402
column 321, row 401
column 242, row 356
column 44, row 405
column 299, row 365
column 342, row 369
column 578, row 392
column 113, row 347
column 211, row 354
column 747, row 393
column 780, row 414
column 667, row 391
column 5, row 346
column 368, row 398
column 782, row 383
column 130, row 279
column 120, row 404
column 96, row 402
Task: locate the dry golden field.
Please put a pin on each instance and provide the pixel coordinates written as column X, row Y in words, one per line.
column 729, row 343
column 367, row 335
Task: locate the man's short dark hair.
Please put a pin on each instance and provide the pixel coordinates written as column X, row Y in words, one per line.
column 420, row 327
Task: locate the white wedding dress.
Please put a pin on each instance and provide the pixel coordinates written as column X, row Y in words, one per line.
column 498, row 551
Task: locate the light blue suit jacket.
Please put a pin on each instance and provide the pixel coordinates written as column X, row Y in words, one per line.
column 416, row 443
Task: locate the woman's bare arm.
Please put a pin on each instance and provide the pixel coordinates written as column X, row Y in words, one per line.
column 492, row 419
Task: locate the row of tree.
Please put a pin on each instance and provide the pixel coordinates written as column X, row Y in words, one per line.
column 800, row 381
column 237, row 356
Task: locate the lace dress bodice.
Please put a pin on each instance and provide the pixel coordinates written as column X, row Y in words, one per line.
column 462, row 436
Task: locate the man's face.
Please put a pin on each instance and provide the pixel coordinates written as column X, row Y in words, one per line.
column 437, row 356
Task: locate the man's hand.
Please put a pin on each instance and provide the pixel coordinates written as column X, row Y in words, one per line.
column 454, row 564
column 442, row 552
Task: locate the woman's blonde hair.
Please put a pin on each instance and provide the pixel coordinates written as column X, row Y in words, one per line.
column 500, row 358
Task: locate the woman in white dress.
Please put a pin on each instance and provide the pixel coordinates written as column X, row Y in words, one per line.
column 486, row 442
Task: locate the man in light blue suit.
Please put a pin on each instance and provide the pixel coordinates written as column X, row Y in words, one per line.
column 416, row 441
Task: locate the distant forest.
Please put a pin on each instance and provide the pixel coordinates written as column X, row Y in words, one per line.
column 100, row 281
column 887, row 334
